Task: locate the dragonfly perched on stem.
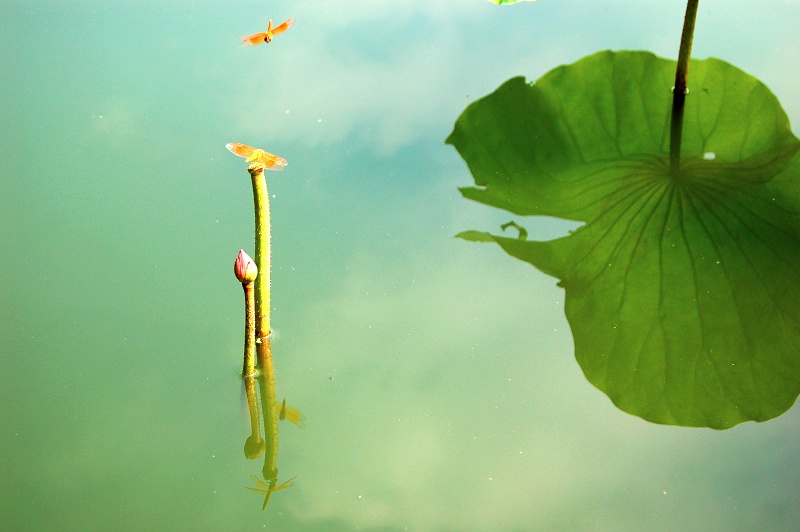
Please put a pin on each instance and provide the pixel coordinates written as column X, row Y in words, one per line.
column 266, row 36
column 257, row 155
column 269, row 488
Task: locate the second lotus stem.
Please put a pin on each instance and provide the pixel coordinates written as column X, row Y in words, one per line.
column 246, row 272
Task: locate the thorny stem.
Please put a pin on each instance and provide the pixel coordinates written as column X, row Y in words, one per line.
column 248, row 367
column 679, row 91
column 261, row 204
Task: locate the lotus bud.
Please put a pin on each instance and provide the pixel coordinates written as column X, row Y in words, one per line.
column 245, row 268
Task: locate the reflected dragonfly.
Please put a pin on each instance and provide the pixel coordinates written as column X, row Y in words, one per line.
column 292, row 414
column 268, row 488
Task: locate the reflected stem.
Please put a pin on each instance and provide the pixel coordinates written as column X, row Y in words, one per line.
column 680, row 90
column 269, row 404
column 262, row 258
column 254, row 445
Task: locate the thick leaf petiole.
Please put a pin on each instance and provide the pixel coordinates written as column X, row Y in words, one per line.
column 680, row 90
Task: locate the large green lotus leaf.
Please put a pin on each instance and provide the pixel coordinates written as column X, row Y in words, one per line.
column 683, row 294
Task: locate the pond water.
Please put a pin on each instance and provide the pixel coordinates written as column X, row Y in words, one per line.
column 437, row 376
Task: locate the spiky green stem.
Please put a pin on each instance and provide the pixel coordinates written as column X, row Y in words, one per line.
column 248, row 366
column 262, row 238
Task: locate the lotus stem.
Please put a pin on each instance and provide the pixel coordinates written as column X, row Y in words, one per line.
column 249, row 364
column 680, row 90
column 262, row 283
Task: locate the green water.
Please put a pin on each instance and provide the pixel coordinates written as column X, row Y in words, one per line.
column 436, row 376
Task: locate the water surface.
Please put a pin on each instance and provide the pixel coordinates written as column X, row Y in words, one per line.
column 437, row 376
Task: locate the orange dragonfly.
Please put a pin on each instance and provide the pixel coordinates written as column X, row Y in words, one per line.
column 257, row 155
column 258, row 38
column 269, row 489
column 292, row 414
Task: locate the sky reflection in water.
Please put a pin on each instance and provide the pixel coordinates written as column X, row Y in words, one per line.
column 455, row 401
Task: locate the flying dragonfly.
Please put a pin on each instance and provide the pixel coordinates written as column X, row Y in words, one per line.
column 257, row 155
column 258, row 38
column 268, row 489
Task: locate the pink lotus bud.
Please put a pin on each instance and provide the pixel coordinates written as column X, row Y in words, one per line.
column 245, row 268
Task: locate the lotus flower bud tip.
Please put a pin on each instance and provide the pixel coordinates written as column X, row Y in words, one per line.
column 245, row 268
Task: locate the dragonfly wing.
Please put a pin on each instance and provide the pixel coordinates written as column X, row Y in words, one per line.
column 294, row 415
column 242, row 150
column 288, row 484
column 278, row 164
column 272, row 162
column 259, row 482
column 283, row 26
column 254, row 39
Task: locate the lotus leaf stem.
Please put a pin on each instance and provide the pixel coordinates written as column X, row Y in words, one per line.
column 680, row 90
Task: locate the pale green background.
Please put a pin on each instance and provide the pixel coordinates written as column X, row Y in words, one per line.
column 436, row 375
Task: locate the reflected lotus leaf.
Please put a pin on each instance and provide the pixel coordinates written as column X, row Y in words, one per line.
column 683, row 293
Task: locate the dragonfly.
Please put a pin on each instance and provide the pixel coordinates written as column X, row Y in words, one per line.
column 266, row 36
column 257, row 155
column 269, row 489
column 292, row 414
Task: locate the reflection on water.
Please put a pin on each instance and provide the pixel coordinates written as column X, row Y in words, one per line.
column 456, row 402
column 269, row 489
column 266, row 445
